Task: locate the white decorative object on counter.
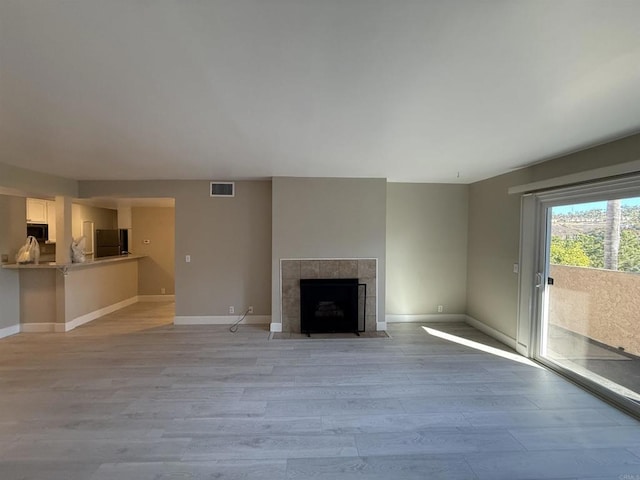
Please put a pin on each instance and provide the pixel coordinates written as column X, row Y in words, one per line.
column 29, row 252
column 77, row 250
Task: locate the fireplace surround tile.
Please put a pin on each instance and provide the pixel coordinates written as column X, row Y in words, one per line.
column 371, row 286
column 329, row 268
column 371, row 303
column 309, row 269
column 294, row 270
column 366, row 268
column 292, row 324
column 348, row 268
column 291, row 305
column 291, row 269
column 291, row 288
column 371, row 324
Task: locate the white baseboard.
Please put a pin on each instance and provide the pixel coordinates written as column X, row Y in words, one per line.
column 427, row 317
column 381, row 326
column 38, row 327
column 81, row 320
column 156, row 298
column 220, row 320
column 276, row 327
column 492, row 332
column 76, row 322
column 8, row 331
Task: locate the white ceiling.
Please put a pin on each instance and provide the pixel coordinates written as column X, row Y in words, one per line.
column 409, row 90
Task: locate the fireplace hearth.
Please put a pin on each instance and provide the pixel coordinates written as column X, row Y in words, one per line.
column 329, row 305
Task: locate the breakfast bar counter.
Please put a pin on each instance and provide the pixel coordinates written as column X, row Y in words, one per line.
column 60, row 297
column 92, row 262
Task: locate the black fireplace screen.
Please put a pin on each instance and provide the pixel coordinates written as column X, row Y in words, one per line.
column 331, row 305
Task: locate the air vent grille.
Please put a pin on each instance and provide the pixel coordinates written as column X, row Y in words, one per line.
column 223, row 189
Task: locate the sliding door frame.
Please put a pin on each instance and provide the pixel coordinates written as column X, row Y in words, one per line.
column 534, row 252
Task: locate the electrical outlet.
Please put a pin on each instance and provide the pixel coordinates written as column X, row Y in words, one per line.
column 440, row 308
column 250, row 309
column 163, row 290
column 232, row 309
column 187, row 258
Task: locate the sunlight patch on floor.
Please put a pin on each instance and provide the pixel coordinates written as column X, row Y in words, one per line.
column 479, row 346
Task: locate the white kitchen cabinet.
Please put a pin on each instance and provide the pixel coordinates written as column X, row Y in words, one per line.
column 36, row 210
column 51, row 220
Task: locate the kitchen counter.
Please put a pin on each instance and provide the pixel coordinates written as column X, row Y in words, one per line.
column 58, row 297
column 91, row 262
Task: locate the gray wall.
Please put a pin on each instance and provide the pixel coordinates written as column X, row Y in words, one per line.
column 90, row 288
column 620, row 151
column 426, row 248
column 12, row 235
column 157, row 271
column 13, row 225
column 229, row 240
column 494, row 246
column 9, row 298
column 494, row 230
column 48, row 296
column 103, row 218
column 328, row 218
column 39, row 295
column 23, row 182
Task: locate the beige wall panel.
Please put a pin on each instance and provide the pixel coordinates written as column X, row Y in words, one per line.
column 426, row 248
column 328, row 218
column 20, row 181
column 13, row 225
column 38, row 295
column 12, row 237
column 157, row 270
column 621, row 151
column 229, row 240
column 494, row 230
column 9, row 298
column 91, row 288
column 138, row 188
column 103, row 218
column 494, row 246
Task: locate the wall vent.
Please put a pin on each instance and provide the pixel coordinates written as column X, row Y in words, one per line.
column 222, row 189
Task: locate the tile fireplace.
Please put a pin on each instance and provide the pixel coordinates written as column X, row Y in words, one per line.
column 292, row 271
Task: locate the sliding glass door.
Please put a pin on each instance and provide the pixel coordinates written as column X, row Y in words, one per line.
column 588, row 287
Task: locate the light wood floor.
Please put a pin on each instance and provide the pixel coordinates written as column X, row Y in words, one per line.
column 131, row 396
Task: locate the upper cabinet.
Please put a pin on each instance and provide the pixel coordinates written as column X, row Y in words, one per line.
column 43, row 211
column 36, row 210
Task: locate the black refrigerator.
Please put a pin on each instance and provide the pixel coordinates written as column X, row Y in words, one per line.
column 110, row 243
